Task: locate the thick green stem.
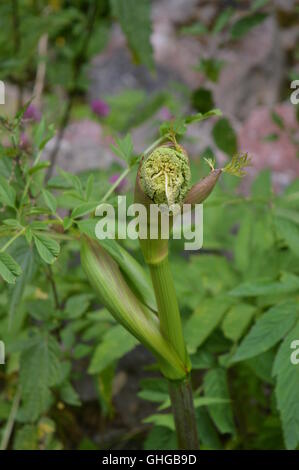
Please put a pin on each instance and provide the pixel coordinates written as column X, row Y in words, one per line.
column 184, row 414
column 169, row 314
column 171, row 328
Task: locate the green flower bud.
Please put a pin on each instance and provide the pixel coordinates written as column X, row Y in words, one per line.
column 165, row 176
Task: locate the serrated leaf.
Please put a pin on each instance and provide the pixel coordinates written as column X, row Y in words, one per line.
column 204, row 320
column 237, row 320
column 289, row 232
column 124, row 148
column 47, row 248
column 50, row 200
column 24, row 255
column 7, row 193
column 115, row 343
column 287, row 284
column 9, row 269
column 286, row 390
column 84, row 209
column 39, row 369
column 135, row 20
column 271, row 327
column 215, row 385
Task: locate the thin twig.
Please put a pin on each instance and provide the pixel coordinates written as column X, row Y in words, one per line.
column 54, row 288
column 41, row 69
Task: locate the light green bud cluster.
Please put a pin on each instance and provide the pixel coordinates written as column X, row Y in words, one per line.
column 165, row 176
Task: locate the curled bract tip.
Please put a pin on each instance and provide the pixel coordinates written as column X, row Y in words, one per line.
column 165, row 175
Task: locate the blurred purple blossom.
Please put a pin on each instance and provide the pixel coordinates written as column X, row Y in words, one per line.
column 24, row 140
column 121, row 185
column 165, row 114
column 32, row 112
column 100, row 108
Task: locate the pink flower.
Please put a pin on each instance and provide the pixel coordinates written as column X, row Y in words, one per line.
column 165, row 114
column 24, row 141
column 33, row 113
column 100, row 108
column 121, row 185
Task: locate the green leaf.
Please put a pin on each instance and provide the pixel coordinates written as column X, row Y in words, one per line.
column 195, row 29
column 160, row 438
column 124, row 148
column 225, row 137
column 76, row 305
column 69, row 395
column 271, row 327
column 237, row 320
column 262, row 365
column 289, row 232
column 9, row 269
column 215, row 385
column 204, row 320
column 278, row 120
column 134, row 18
column 286, row 390
column 287, row 284
column 50, row 200
column 211, row 68
column 39, row 369
column 115, row 343
column 7, row 193
column 26, row 438
column 164, row 420
column 245, row 24
column 207, row 433
column 84, row 208
column 25, row 257
column 222, row 20
column 47, row 248
column 202, row 100
column 201, row 117
column 257, row 4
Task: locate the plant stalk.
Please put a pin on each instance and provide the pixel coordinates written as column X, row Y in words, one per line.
column 169, row 314
column 184, row 414
column 171, row 328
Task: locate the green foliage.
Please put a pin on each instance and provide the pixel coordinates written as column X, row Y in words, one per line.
column 245, row 24
column 225, row 137
column 135, row 22
column 115, row 343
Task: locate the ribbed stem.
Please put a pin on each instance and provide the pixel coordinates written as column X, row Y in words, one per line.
column 171, row 328
column 168, row 309
column 184, row 414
